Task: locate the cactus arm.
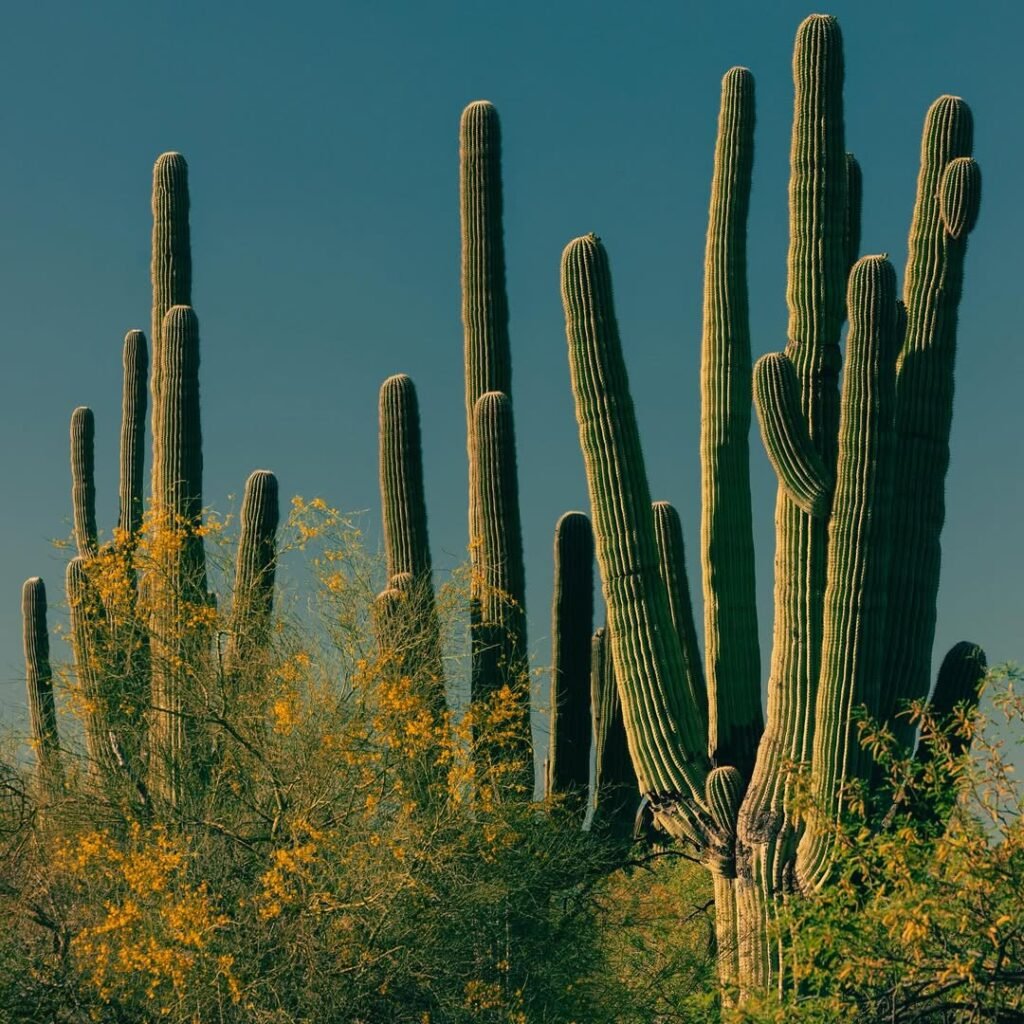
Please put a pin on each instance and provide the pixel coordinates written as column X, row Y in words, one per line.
column 733, row 660
column 858, row 561
column 171, row 266
column 133, row 433
column 42, row 714
column 957, row 685
column 499, row 659
column 572, row 619
column 924, row 400
column 484, row 302
column 252, row 603
column 797, row 464
column 668, row 535
column 83, row 483
column 854, row 203
column 666, row 738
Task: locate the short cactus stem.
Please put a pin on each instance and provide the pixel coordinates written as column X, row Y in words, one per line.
column 252, row 605
column 42, row 714
column 854, row 202
column 957, row 689
column 572, row 619
column 133, row 434
column 83, row 483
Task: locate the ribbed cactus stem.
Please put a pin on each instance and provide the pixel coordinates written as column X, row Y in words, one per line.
column 950, row 185
column 615, row 795
column 171, row 266
column 854, row 203
column 42, row 714
column 733, row 659
column 252, row 604
column 668, row 536
column 499, row 658
column 484, row 302
column 83, row 483
column 797, row 464
column 179, row 590
column 666, row 740
column 572, row 619
column 858, row 561
column 389, row 622
column 133, row 434
column 957, row 686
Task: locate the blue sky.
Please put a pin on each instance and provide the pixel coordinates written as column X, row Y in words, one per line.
column 322, row 143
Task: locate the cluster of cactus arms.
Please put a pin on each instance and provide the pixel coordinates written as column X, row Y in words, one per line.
column 860, row 505
column 635, row 707
column 136, row 636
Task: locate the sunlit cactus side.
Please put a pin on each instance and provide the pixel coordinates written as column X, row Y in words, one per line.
column 83, row 482
column 171, row 266
column 858, row 561
column 668, row 535
column 499, row 660
column 488, row 363
column 948, row 194
column 42, row 713
column 252, row 604
column 404, row 517
column 615, row 793
column 666, row 739
column 133, row 434
column 178, row 588
column 733, row 659
column 572, row 619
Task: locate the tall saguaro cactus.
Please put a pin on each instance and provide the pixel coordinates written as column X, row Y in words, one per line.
column 727, row 540
column 83, row 482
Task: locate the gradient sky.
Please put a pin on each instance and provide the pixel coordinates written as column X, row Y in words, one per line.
column 322, row 144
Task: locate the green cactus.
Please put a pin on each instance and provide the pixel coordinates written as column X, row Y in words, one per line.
column 957, row 686
column 252, row 604
column 858, row 560
column 948, row 192
column 727, row 542
column 615, row 794
column 404, row 517
column 572, row 618
column 499, row 632
column 83, row 484
column 179, row 586
column 42, row 714
column 171, row 266
column 133, row 434
column 854, row 202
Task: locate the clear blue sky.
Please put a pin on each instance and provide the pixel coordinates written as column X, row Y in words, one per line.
column 322, row 142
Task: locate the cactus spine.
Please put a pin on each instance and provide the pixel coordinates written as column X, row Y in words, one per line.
column 83, row 484
column 727, row 543
column 42, row 714
column 572, row 618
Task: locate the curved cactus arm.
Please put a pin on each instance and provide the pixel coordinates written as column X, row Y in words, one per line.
column 664, row 727
column 957, row 686
column 42, row 714
column 854, row 204
column 499, row 657
column 668, row 535
column 858, row 561
column 615, row 794
column 171, row 266
column 572, row 619
column 798, row 466
column 732, row 656
column 83, row 483
column 133, row 434
column 948, row 191
column 488, row 361
column 252, row 605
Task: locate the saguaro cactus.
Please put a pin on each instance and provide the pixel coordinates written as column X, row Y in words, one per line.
column 42, row 714
column 133, row 434
column 572, row 618
column 83, row 483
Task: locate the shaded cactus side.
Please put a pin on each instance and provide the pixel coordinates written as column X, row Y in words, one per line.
column 133, row 435
column 572, row 619
column 83, row 483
